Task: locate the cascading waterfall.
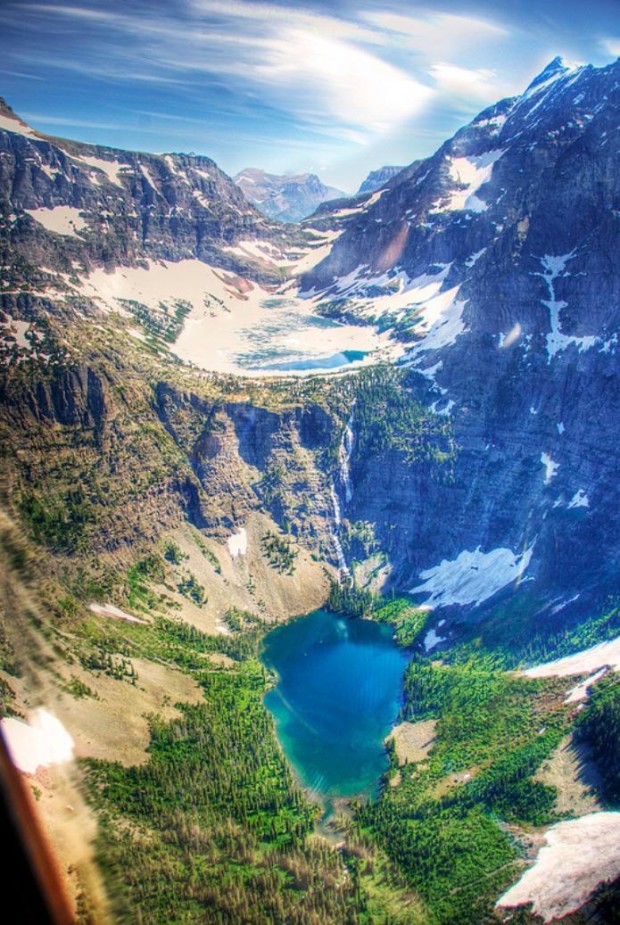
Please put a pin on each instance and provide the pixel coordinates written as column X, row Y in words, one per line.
column 345, row 451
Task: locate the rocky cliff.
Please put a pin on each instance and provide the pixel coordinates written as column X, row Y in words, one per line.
column 494, row 259
column 72, row 206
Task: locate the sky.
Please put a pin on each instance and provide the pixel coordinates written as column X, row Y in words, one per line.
column 335, row 88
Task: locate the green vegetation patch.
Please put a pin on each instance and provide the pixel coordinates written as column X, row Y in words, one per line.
column 213, row 827
column 599, row 727
column 279, row 552
column 445, row 825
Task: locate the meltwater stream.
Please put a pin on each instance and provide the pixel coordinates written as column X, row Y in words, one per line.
column 338, row 694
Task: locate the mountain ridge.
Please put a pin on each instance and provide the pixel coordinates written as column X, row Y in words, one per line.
column 285, row 197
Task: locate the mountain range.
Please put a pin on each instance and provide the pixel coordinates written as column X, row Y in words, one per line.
column 175, row 443
column 287, row 198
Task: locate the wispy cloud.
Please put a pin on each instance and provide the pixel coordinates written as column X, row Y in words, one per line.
column 436, row 34
column 318, row 67
column 471, row 83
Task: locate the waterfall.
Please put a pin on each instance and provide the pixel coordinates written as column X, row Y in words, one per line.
column 342, row 562
column 345, row 451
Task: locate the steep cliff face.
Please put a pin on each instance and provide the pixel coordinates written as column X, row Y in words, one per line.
column 494, row 260
column 377, row 179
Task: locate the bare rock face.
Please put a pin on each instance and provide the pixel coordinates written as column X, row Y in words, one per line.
column 496, row 260
column 377, row 179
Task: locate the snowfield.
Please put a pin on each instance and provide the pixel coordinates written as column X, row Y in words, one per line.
column 579, row 855
column 589, row 660
column 472, row 577
column 238, row 543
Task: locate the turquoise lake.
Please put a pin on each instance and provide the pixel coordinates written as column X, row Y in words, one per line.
column 338, row 695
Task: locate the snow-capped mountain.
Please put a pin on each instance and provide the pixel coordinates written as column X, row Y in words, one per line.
column 495, row 259
column 491, row 265
column 288, row 197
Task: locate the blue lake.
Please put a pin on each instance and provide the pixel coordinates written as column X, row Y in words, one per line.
column 336, row 361
column 338, row 695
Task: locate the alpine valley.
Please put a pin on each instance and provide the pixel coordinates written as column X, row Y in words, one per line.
column 405, row 407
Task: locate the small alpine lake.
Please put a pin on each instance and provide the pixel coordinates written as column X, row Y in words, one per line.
column 338, row 695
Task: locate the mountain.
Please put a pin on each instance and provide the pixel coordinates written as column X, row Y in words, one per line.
column 378, row 178
column 492, row 261
column 157, row 515
column 287, row 198
column 109, row 207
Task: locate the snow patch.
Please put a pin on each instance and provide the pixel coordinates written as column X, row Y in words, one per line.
column 551, row 467
column 41, row 742
column 440, row 321
column 579, row 855
column 431, row 640
column 238, row 543
column 148, row 176
column 51, row 172
column 64, row 220
column 13, row 124
column 553, row 267
column 470, row 173
column 603, row 654
column 579, row 499
column 581, row 691
column 472, row 577
column 109, row 610
column 109, row 168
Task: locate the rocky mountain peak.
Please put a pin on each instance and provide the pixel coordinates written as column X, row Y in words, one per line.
column 285, row 197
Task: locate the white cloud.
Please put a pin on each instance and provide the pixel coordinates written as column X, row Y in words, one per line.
column 476, row 83
column 335, row 76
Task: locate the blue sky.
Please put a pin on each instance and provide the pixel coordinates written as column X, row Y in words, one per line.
column 335, row 88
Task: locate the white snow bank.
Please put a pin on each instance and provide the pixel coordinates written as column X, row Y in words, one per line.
column 470, row 173
column 39, row 743
column 16, row 125
column 431, row 640
column 579, row 499
column 440, row 322
column 554, row 266
column 109, row 168
column 579, row 855
column 472, row 577
column 65, row 220
column 109, row 610
column 551, row 467
column 238, row 543
column 605, row 653
column 582, row 691
column 236, row 326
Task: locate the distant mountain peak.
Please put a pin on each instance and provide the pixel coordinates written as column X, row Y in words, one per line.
column 285, row 197
column 378, row 178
